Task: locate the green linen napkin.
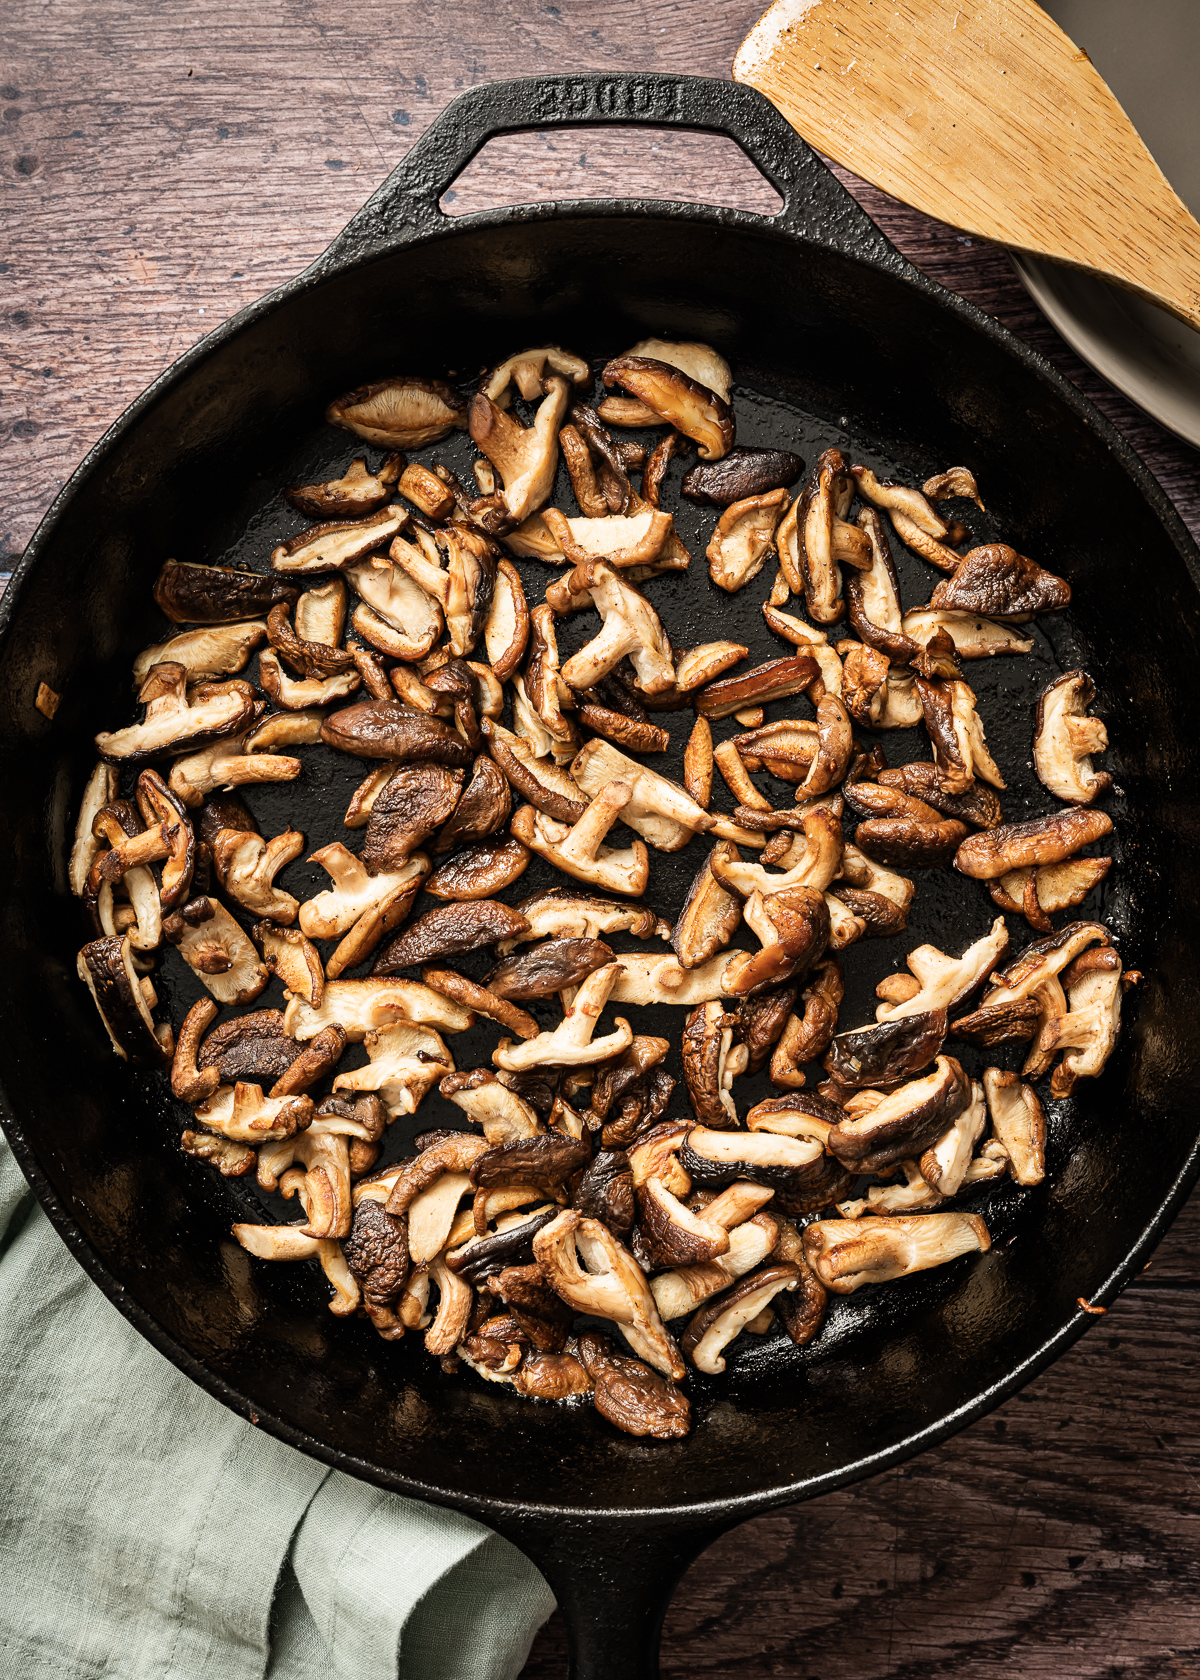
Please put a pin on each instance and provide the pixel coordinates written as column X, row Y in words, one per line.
column 146, row 1533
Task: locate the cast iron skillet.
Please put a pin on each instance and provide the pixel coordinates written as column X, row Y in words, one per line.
column 826, row 324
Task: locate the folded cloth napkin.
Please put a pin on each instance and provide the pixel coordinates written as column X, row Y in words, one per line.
column 146, row 1533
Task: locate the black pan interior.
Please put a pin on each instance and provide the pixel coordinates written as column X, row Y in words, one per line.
column 825, row 350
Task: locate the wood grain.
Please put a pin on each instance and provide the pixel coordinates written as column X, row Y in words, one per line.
column 1053, row 1538
column 984, row 113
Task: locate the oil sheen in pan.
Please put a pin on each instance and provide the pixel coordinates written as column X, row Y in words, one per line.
column 948, row 910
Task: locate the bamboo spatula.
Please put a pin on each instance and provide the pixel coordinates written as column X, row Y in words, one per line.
column 983, row 114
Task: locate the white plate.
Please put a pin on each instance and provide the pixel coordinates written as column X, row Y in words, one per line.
column 1148, row 51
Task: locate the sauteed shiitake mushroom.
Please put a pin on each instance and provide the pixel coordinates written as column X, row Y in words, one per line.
column 579, row 1180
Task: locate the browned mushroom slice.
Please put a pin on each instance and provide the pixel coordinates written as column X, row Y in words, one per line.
column 864, row 684
column 605, row 1192
column 483, row 808
column 232, row 1160
column 955, row 481
column 625, row 731
column 450, row 930
column 847, row 1253
column 311, row 646
column 1065, row 737
column 406, row 412
column 789, row 1166
column 888, row 1052
column 106, row 967
column 1037, row 893
column 548, row 968
column 357, row 492
column 956, row 733
column 567, row 913
column 772, row 681
column 996, row 1024
column 246, row 866
column 745, row 535
column 630, row 1395
column 682, row 402
column 193, row 594
column 1040, row 963
column 866, row 878
column 397, row 616
column 718, row 1323
column 480, row 871
column 329, row 547
column 909, row 841
column 241, row 1112
column 207, row 654
column 356, row 892
column 252, row 1046
column 916, row 522
column 528, row 369
column 873, row 596
column 463, row 587
column 704, row 664
column 973, row 637
column 412, row 806
column 376, row 1252
column 291, row 957
column 997, row 582
column 584, row 1263
column 760, row 1021
column 794, row 929
column 297, row 694
column 632, row 629
column 545, row 1159
column 710, row 915
column 811, row 861
column 1082, row 1019
column 542, row 682
column 624, row 540
column 801, row 1115
column 507, row 629
column 524, row 457
column 1019, row 1124
column 904, row 1122
column 1049, row 839
column 936, row 981
column 698, row 763
column 819, row 519
column 543, row 784
column 379, row 729
column 176, row 722
column 806, row 1036
column 711, row 1062
column 360, row 1006
column 480, row 999
column 944, row 1163
column 978, row 806
column 742, row 473
column 787, row 748
column 835, row 746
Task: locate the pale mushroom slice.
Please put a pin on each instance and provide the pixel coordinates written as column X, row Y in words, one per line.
column 674, row 396
column 354, row 892
column 917, row 523
column 503, row 1115
column 291, row 1242
column 873, row 595
column 658, row 809
column 744, row 537
column 405, row 412
column 285, row 729
column 1036, row 893
column 228, row 764
column 528, row 371
column 699, row 361
column 218, row 952
column 101, row 790
column 973, row 637
column 206, row 654
column 813, row 642
column 232, row 1160
column 463, row 588
column 544, row 689
column 664, row 979
column 405, row 1061
column 242, row 1113
column 847, row 1253
column 587, row 1267
column 507, row 629
column 822, row 538
column 1019, row 1123
column 632, row 629
column 902, row 707
column 362, row 1006
column 295, row 694
column 955, row 481
column 1065, row 737
column 565, row 913
column 571, row 1044
column 943, row 982
column 944, row 1163
column 579, row 850
column 622, row 540
column 106, row 966
column 1082, row 1019
column 329, row 547
column 531, row 540
column 175, row 723
column 956, row 733
column 525, row 457
column 818, row 863
column 751, row 1240
column 396, row 615
column 293, row 959
column 717, row 1324
column 247, row 865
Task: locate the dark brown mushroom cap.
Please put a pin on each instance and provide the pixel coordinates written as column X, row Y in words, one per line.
column 800, row 919
column 310, row 659
column 1049, row 839
column 484, row 807
column 700, row 1047
column 224, row 810
column 530, row 1300
column 624, row 1079
column 411, row 806
column 548, row 1159
column 760, row 1021
column 999, row 1023
column 906, row 843
column 550, row 1376
column 450, row 930
column 633, row 733
column 502, row 1248
column 365, row 1109
column 690, row 407
column 670, row 1234
column 547, row 968
column 376, row 1252
column 481, row 870
column 829, row 1182
column 997, row 582
column 108, row 969
column 710, row 916
column 906, row 1122
column 801, row 1311
column 775, row 680
column 979, row 806
column 381, row 729
column 743, row 472
column 886, row 1052
column 605, row 1192
column 523, row 776
column 882, row 918
column 632, row 1396
column 746, row 1288
column 796, row 1103
column 193, row 594
column 252, row 1046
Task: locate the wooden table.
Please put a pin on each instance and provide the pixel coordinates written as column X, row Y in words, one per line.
column 164, row 166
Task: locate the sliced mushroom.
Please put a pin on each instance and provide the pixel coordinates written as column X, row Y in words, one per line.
column 571, row 1044
column 794, row 928
column 1065, row 737
column 481, row 1000
column 997, row 582
column 1037, row 893
column 631, row 1092
column 380, row 729
column 101, row 790
column 357, row 492
column 1049, row 839
column 503, row 1114
column 789, row 1166
column 944, row 982
column 717, row 1324
column 1006, row 1023
column 675, row 398
column 405, row 1061
column 812, row 862
column 745, row 535
column 885, row 1053
column 291, row 957
column 605, row 1192
column 658, row 809
column 355, row 892
column 480, row 871
column 663, row 979
column 822, row 536
column 564, row 913
column 450, row 930
column 711, row 1062
column 106, row 966
column 846, row 1253
column 207, row 654
column 956, row 733
column 579, row 851
column 246, row 866
column 750, row 1242
column 463, row 588
column 873, row 596
column 405, row 412
column 507, row 629
column 710, row 915
column 361, row 1006
column 631, row 629
column 629, row 1394
column 807, row 1036
column 329, row 547
column 740, row 474
column 955, row 481
column 1086, row 1028
column 904, row 1122
column 410, row 807
column 241, row 1113
column 397, row 616
column 219, row 952
column 548, row 968
column 775, row 680
column 978, row 806
column 973, row 637
column 545, row 785
column 175, row 723
column 524, row 457
column 1019, row 1123
column 944, row 1164
column 585, row 1265
column 622, row 540
column 376, row 1251
column 232, row 1160
column 193, row 594
column 527, row 370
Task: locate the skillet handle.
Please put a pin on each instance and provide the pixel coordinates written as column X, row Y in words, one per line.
column 613, row 1577
column 815, row 204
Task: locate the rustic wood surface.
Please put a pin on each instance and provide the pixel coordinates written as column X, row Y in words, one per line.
column 161, row 168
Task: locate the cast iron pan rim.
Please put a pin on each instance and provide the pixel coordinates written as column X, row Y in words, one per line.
column 326, row 269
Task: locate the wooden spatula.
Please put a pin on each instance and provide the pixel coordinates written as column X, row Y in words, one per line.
column 984, row 114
